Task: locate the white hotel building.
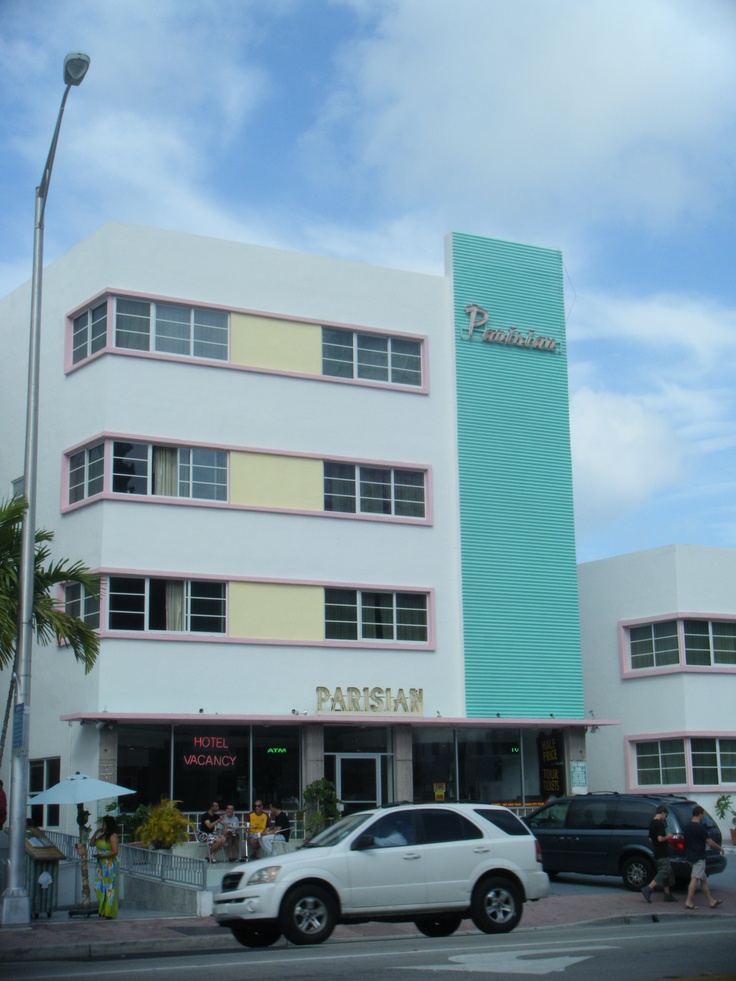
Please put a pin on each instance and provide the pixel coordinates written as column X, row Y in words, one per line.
column 331, row 508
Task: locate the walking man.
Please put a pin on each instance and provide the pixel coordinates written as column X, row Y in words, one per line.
column 659, row 838
column 696, row 844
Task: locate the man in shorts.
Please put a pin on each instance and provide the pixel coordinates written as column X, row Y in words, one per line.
column 696, row 844
column 659, row 838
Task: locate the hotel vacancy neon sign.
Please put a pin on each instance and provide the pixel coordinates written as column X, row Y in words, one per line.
column 478, row 318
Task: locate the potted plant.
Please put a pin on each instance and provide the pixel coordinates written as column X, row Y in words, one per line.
column 164, row 825
column 724, row 809
column 321, row 806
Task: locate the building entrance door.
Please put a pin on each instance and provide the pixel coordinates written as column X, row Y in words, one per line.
column 358, row 780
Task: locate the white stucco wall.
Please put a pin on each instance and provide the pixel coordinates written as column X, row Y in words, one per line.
column 674, row 580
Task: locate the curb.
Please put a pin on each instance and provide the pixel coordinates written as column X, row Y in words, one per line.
column 108, row 949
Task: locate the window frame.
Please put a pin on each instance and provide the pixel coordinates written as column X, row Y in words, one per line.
column 79, row 602
column 715, row 663
column 692, row 759
column 363, row 358
column 145, row 606
column 359, row 479
column 91, row 336
column 148, row 461
column 88, row 484
column 361, row 625
column 155, row 331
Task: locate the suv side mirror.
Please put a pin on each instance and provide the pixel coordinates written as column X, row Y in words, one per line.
column 362, row 842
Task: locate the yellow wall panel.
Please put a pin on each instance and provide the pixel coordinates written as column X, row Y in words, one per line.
column 270, row 481
column 276, row 611
column 282, row 345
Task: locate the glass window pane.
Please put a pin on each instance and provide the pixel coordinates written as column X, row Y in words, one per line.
column 133, row 324
column 207, row 607
column 76, row 477
column 80, row 334
column 173, row 329
column 409, row 493
column 337, row 353
column 130, row 468
column 406, row 362
column 697, row 642
column 411, row 617
column 339, row 487
column 96, row 469
column 98, row 333
column 705, row 761
column 372, row 357
column 377, row 615
column 375, row 490
column 724, row 642
column 209, row 474
column 127, row 603
column 341, row 614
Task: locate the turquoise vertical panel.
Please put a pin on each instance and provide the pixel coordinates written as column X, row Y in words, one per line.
column 520, row 604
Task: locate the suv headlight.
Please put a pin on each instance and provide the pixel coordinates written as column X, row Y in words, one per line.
column 268, row 874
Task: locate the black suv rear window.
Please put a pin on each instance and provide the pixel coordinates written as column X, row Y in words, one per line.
column 505, row 820
column 635, row 814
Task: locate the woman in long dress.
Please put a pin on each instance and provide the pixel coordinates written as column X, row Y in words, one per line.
column 105, row 840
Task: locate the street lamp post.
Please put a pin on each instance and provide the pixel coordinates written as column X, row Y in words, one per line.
column 16, row 903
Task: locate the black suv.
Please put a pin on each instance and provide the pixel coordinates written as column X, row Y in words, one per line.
column 607, row 834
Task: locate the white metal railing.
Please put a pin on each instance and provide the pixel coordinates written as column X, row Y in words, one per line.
column 144, row 862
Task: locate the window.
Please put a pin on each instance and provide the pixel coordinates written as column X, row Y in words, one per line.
column 194, row 332
column 440, row 825
column 89, row 332
column 43, row 774
column 170, row 471
column 654, row 645
column 710, row 642
column 373, row 490
column 184, row 606
column 352, row 614
column 86, row 473
column 78, row 602
column 374, row 357
column 714, row 761
column 660, row 762
column 707, row 643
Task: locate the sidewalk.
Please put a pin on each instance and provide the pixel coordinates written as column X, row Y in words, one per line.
column 141, row 932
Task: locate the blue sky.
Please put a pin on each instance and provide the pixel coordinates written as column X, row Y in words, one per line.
column 367, row 129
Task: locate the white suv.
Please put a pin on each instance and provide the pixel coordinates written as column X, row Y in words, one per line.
column 430, row 864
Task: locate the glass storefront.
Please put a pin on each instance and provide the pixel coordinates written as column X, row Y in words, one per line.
column 199, row 764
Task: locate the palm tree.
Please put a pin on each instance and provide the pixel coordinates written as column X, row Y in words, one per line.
column 50, row 621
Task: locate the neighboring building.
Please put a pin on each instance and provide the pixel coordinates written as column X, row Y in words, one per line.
column 658, row 635
column 331, row 506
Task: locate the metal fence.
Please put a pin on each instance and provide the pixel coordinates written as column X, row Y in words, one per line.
column 164, row 866
column 147, row 863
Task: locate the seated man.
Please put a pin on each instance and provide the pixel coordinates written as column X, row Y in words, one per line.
column 257, row 824
column 279, row 832
column 231, row 829
column 211, row 832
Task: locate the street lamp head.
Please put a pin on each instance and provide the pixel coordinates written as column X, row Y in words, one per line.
column 75, row 67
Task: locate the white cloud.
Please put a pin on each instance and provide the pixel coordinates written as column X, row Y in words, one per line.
column 622, row 456
column 539, row 114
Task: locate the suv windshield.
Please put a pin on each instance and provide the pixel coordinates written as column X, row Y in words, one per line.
column 338, row 832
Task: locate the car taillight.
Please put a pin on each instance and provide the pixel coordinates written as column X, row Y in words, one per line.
column 538, row 849
column 678, row 842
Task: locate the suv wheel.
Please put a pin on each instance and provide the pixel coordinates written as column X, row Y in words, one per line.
column 496, row 905
column 308, row 915
column 256, row 935
column 636, row 872
column 438, row 926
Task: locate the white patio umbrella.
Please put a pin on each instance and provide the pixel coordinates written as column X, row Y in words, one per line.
column 79, row 789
